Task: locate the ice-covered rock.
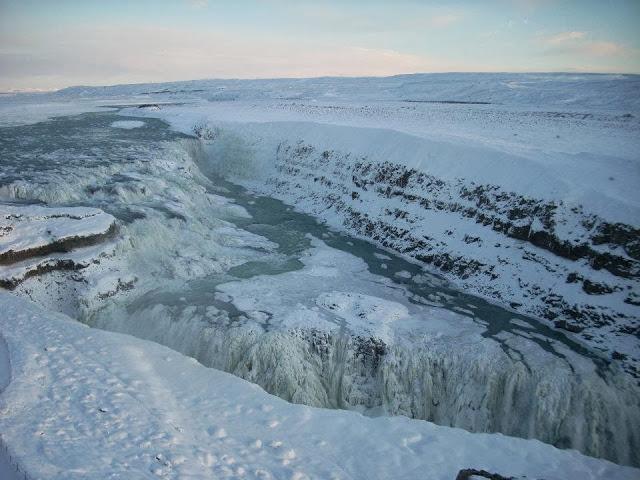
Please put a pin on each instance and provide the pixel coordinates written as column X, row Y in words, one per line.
column 37, row 239
column 28, row 231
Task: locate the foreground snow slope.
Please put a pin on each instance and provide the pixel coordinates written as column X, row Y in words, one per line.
column 86, row 404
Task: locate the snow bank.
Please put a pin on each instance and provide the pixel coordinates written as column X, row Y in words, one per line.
column 248, row 150
column 87, row 404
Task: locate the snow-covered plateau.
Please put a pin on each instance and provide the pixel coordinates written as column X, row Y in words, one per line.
column 456, row 248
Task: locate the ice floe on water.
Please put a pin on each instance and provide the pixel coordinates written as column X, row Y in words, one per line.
column 127, row 124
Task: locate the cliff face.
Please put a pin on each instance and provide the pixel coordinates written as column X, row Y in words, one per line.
column 490, row 233
column 553, row 258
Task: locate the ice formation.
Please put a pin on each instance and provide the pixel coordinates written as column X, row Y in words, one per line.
column 242, row 283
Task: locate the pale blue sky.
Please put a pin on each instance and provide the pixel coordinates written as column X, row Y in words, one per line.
column 52, row 44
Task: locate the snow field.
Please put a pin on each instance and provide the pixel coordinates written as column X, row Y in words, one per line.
column 87, row 404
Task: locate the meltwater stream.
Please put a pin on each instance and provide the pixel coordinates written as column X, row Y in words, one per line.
column 246, row 284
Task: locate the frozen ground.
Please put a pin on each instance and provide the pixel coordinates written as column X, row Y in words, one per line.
column 88, row 404
column 507, row 199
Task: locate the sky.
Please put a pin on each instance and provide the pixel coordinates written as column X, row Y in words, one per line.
column 50, row 44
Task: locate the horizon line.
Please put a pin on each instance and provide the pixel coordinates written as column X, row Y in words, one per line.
column 28, row 90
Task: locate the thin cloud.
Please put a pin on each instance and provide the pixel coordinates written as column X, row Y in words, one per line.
column 121, row 54
column 580, row 43
column 444, row 20
column 376, row 19
column 530, row 5
column 564, row 37
column 197, row 3
column 604, row 48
